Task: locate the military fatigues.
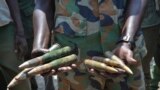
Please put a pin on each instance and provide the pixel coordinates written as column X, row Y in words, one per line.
column 150, row 26
column 8, row 59
column 94, row 27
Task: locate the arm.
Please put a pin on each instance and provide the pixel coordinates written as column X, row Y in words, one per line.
column 133, row 19
column 15, row 13
column 132, row 23
column 20, row 42
column 43, row 18
column 134, row 14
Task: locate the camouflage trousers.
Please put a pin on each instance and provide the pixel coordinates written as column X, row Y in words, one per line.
column 80, row 79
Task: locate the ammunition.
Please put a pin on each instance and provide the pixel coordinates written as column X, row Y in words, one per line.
column 114, row 57
column 107, row 61
column 99, row 66
column 18, row 78
column 54, row 47
column 53, row 65
column 54, row 54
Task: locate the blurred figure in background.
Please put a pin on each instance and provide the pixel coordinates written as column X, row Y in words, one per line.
column 12, row 44
column 150, row 27
column 155, row 82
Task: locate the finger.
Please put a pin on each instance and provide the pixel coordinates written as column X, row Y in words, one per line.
column 49, row 73
column 74, row 66
column 65, row 69
column 68, row 68
column 45, row 50
column 61, row 68
column 131, row 60
column 53, row 72
column 91, row 70
column 120, row 70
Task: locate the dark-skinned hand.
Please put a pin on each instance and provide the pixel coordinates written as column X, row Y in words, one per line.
column 20, row 45
column 41, row 51
column 124, row 52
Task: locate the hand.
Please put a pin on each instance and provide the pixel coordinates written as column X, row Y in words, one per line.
column 60, row 70
column 20, row 45
column 38, row 52
column 106, row 74
column 124, row 52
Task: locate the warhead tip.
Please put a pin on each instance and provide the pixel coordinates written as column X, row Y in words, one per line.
column 23, row 65
column 12, row 83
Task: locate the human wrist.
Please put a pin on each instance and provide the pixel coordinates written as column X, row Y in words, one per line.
column 20, row 32
column 126, row 44
column 126, row 40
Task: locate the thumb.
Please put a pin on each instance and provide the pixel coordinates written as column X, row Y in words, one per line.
column 131, row 60
column 45, row 50
column 39, row 52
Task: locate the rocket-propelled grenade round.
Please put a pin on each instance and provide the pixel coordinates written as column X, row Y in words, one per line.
column 107, row 61
column 54, row 54
column 54, row 47
column 18, row 78
column 114, row 57
column 99, row 66
column 65, row 61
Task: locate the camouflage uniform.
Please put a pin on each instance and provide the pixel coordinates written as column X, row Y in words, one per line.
column 94, row 27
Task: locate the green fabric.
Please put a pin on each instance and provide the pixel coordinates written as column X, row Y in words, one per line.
column 8, row 60
column 100, row 41
column 109, row 37
column 151, row 17
column 26, row 6
column 7, row 55
column 85, row 43
column 26, row 9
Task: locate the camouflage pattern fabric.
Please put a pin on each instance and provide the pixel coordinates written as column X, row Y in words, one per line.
column 155, row 79
column 93, row 26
